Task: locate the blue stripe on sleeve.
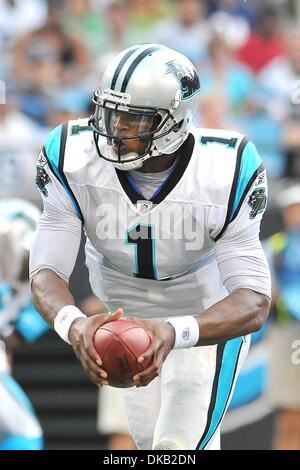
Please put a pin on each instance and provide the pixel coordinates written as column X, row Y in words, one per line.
column 52, row 149
column 250, row 162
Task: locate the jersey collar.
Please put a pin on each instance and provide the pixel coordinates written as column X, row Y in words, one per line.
column 184, row 153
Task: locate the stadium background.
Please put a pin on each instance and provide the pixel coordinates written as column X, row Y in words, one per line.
column 52, row 55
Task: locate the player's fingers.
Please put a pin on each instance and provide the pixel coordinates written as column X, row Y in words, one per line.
column 95, row 378
column 90, row 348
column 146, row 376
column 159, row 354
column 91, row 351
column 159, row 359
column 89, row 339
column 150, row 352
column 91, row 365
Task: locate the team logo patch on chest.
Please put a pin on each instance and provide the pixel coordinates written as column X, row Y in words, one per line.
column 42, row 177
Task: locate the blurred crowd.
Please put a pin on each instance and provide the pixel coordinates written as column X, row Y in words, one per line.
column 247, row 53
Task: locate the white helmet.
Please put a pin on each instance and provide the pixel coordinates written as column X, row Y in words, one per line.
column 152, row 93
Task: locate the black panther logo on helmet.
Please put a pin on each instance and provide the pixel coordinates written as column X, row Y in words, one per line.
column 187, row 77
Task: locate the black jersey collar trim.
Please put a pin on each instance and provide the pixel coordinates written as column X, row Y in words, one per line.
column 184, row 153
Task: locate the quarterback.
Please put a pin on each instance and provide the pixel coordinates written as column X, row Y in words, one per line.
column 171, row 215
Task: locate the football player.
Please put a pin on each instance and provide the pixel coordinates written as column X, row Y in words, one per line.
column 172, row 216
column 19, row 321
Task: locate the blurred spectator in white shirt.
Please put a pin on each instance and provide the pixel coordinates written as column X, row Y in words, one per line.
column 280, row 81
column 235, row 29
column 20, row 16
column 20, row 141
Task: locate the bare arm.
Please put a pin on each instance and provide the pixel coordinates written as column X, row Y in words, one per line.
column 50, row 293
column 242, row 312
column 52, row 259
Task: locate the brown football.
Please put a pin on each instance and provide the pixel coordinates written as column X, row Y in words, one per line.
column 119, row 344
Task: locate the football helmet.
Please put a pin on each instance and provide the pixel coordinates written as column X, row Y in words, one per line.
column 145, row 106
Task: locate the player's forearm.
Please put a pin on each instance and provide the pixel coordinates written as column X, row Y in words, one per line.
column 92, row 306
column 50, row 293
column 242, row 312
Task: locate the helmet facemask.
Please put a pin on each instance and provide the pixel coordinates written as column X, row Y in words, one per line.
column 130, row 131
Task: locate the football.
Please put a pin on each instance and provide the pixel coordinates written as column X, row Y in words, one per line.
column 119, row 344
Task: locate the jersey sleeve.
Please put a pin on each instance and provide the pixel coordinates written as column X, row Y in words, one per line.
column 239, row 252
column 56, row 242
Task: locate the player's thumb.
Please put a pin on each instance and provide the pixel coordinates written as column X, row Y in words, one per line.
column 114, row 316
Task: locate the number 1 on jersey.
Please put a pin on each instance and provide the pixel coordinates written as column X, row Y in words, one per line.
column 143, row 239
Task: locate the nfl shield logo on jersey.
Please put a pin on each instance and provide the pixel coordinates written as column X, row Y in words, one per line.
column 144, row 206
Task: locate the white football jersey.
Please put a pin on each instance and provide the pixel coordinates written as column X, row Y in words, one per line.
column 185, row 248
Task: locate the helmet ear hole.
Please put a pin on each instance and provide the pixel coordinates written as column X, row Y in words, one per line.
column 178, row 126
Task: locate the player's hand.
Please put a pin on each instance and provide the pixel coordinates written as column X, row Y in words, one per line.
column 81, row 335
column 162, row 341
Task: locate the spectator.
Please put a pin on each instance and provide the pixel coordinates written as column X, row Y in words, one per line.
column 223, row 74
column 82, row 20
column 265, row 43
column 214, row 112
column 235, row 29
column 280, row 81
column 20, row 139
column 187, row 33
column 284, row 259
column 145, row 13
column 116, row 33
column 47, row 61
column 48, row 57
column 291, row 149
column 19, row 17
column 234, row 8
